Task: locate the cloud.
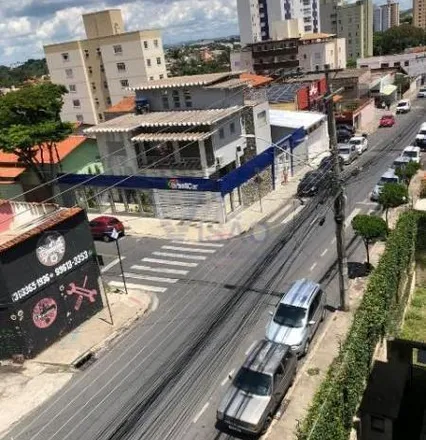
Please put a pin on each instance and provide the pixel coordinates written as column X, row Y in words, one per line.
column 29, row 24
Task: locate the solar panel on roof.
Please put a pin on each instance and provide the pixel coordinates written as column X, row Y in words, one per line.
column 283, row 92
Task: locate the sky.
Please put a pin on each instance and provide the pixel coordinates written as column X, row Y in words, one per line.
column 25, row 25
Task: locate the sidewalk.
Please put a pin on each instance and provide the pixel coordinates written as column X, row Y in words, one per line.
column 248, row 219
column 24, row 387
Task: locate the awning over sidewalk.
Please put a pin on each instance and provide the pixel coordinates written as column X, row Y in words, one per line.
column 388, row 90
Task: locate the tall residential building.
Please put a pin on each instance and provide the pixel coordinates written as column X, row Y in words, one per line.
column 386, row 16
column 352, row 21
column 419, row 13
column 257, row 18
column 99, row 70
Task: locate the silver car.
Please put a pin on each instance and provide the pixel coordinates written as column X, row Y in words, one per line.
column 297, row 316
column 257, row 389
column 388, row 177
column 348, row 153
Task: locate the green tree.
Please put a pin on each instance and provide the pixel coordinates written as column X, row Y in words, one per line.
column 351, row 63
column 407, row 172
column 398, row 38
column 30, row 126
column 392, row 196
column 370, row 228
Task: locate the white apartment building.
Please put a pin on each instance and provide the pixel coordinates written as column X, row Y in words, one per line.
column 386, row 16
column 319, row 49
column 258, row 18
column 99, row 70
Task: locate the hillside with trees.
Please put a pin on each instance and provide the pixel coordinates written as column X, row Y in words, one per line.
column 15, row 76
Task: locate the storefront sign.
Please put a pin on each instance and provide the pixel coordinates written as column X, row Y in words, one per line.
column 176, row 184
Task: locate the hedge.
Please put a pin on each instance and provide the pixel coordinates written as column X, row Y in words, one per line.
column 336, row 401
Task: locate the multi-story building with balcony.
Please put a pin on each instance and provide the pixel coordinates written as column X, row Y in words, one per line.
column 98, row 70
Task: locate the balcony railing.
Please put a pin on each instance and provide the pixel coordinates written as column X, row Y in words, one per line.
column 184, row 163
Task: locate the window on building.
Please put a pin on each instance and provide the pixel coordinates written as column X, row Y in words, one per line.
column 221, row 133
column 121, row 67
column 76, row 103
column 86, row 53
column 97, row 102
column 304, row 56
column 261, row 117
column 158, row 61
column 90, row 70
column 103, row 68
column 105, row 84
column 188, row 98
column 65, row 56
column 118, row 49
column 155, row 43
column 98, row 51
column 108, row 100
column 124, row 83
column 165, row 100
column 397, row 64
column 69, row 73
column 93, row 86
column 79, row 118
column 145, row 44
column 176, row 99
column 161, row 76
column 406, row 63
column 349, row 34
column 317, row 56
column 148, row 62
column 232, row 127
column 377, row 423
column 100, row 116
column 72, row 88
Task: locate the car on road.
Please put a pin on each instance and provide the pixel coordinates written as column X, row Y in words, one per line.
column 346, row 127
column 422, row 92
column 343, row 135
column 103, row 226
column 387, row 121
column 258, row 388
column 326, row 164
column 360, row 142
column 348, row 153
column 388, row 177
column 311, row 183
column 297, row 316
column 400, row 162
column 412, row 153
column 403, row 106
column 421, row 137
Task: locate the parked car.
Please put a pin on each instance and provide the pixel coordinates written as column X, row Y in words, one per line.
column 297, row 317
column 360, row 142
column 258, row 388
column 326, row 164
column 421, row 137
column 103, row 226
column 388, row 177
column 422, row 92
column 403, row 106
column 348, row 153
column 387, row 121
column 311, row 183
column 412, row 153
column 343, row 136
column 400, row 162
column 346, row 127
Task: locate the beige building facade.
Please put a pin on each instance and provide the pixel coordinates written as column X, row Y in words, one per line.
column 99, row 70
column 419, row 13
column 320, row 49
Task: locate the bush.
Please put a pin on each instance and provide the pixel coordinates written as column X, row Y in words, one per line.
column 336, row 402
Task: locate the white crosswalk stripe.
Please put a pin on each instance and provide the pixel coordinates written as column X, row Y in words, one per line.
column 138, row 276
column 292, row 215
column 169, row 262
column 351, row 216
column 183, row 256
column 280, row 213
column 178, row 248
column 120, row 285
column 159, row 269
column 198, row 243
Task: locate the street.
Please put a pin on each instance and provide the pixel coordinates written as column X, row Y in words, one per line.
column 164, row 378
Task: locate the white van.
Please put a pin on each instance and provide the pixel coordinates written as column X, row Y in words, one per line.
column 421, row 137
column 412, row 153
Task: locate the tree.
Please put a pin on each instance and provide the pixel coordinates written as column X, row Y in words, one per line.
column 30, row 126
column 392, row 196
column 370, row 228
column 407, row 172
column 351, row 63
column 398, row 38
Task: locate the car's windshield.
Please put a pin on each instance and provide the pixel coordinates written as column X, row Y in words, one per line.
column 409, row 153
column 344, row 150
column 402, row 104
column 290, row 316
column 385, row 180
column 253, row 382
column 422, row 132
column 355, row 141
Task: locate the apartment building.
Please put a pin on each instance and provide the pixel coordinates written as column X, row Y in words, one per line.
column 98, row 70
column 352, row 21
column 258, row 18
column 419, row 13
column 386, row 16
column 316, row 50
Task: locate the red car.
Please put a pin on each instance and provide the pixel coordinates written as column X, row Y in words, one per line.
column 102, row 227
column 387, row 121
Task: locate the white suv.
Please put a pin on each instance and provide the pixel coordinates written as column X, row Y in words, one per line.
column 421, row 137
column 422, row 92
column 403, row 106
column 412, row 153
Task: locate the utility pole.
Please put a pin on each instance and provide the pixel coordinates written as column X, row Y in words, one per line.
column 340, row 201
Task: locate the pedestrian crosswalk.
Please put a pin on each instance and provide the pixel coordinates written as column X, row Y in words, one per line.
column 166, row 266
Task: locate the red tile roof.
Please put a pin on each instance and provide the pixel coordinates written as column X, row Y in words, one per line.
column 127, row 104
column 255, row 80
column 11, row 172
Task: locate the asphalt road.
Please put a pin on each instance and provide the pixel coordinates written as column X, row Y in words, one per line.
column 163, row 379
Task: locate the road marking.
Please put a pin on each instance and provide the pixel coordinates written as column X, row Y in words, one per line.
column 206, row 405
column 313, row 221
column 352, row 215
column 292, row 215
column 155, row 303
column 227, row 378
column 250, row 348
column 198, row 243
column 334, row 240
column 313, row 267
column 120, row 284
column 160, row 269
column 113, row 263
column 279, row 214
column 137, row 276
column 169, row 262
column 185, row 257
column 324, row 252
column 177, row 248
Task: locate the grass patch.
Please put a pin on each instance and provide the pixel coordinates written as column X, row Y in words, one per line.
column 414, row 326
